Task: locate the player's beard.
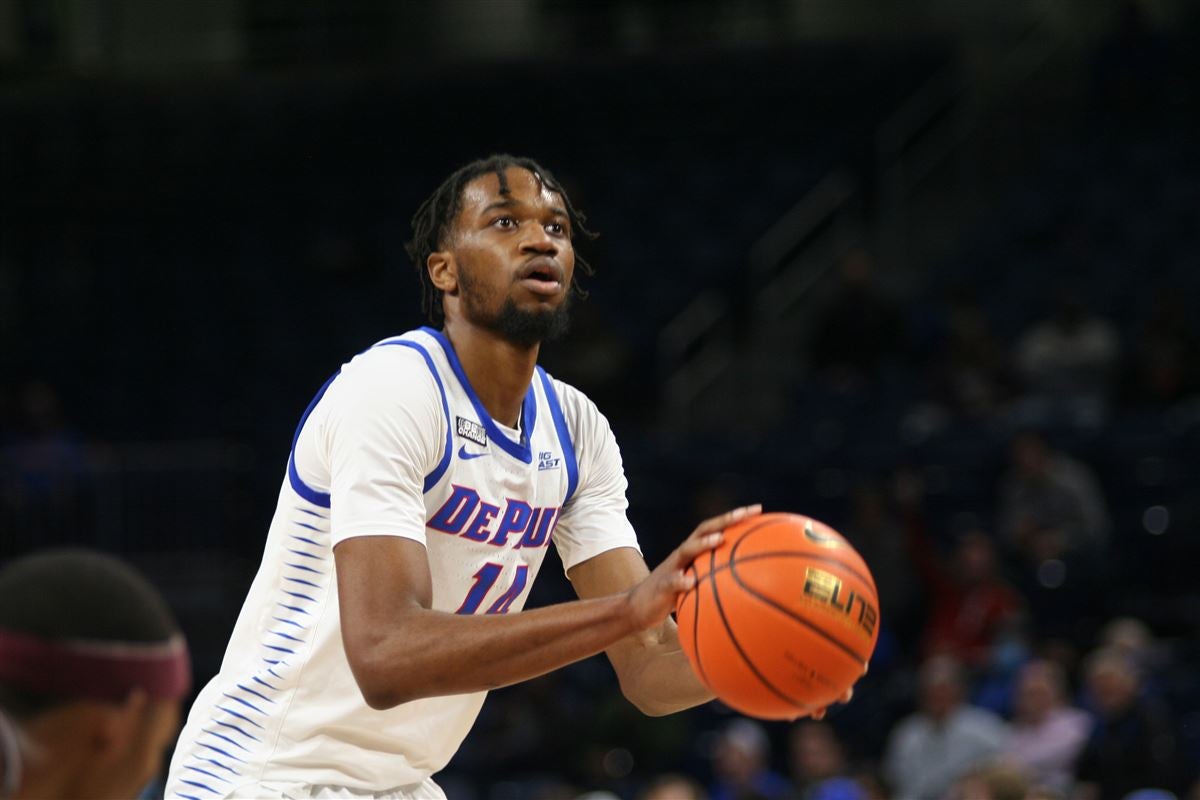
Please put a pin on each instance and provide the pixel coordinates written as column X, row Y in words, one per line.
column 517, row 326
column 527, row 328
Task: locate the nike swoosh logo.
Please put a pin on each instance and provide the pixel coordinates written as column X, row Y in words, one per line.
column 465, row 456
column 817, row 537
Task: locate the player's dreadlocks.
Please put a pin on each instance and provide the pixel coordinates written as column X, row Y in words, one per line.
column 434, row 217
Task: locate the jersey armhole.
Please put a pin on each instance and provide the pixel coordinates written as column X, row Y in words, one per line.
column 564, row 435
column 301, row 488
column 322, row 499
column 432, row 478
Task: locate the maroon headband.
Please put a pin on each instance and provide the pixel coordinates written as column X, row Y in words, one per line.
column 95, row 670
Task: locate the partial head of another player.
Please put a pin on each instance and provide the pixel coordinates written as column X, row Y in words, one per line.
column 92, row 671
column 494, row 249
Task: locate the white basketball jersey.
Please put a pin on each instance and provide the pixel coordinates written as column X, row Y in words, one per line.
column 396, row 444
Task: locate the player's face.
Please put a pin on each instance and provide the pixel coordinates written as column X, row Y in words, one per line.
column 125, row 748
column 510, row 260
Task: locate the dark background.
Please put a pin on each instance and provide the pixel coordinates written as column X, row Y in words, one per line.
column 802, row 207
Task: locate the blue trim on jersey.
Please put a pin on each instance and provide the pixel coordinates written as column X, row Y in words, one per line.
column 564, row 435
column 522, row 450
column 432, row 478
column 198, row 785
column 298, row 486
column 322, row 499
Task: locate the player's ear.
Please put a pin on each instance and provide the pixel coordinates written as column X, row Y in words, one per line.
column 443, row 271
column 118, row 725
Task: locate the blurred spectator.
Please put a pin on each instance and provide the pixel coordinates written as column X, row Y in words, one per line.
column 1132, row 745
column 612, row 730
column 996, row 782
column 741, row 765
column 673, row 787
column 1038, row 793
column 818, row 764
column 970, row 369
column 1050, row 504
column 858, row 330
column 42, row 471
column 1133, row 639
column 1047, row 734
column 946, row 738
column 1151, row 794
column 971, row 603
column 1054, row 519
column 1066, row 364
column 875, row 532
column 1164, row 363
column 871, row 782
column 40, row 450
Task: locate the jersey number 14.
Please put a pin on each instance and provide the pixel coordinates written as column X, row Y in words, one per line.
column 485, row 578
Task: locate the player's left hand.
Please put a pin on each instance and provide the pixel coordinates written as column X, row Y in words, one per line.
column 654, row 598
column 820, row 714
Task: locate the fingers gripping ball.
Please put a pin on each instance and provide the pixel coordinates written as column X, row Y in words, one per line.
column 783, row 618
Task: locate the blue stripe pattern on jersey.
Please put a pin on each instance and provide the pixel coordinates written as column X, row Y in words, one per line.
column 219, row 750
column 257, row 679
column 239, row 723
column 523, row 450
column 303, row 554
column 206, row 772
column 564, row 435
column 198, row 785
column 311, row 513
column 233, row 727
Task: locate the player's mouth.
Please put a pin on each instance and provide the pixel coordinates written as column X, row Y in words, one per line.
column 542, row 275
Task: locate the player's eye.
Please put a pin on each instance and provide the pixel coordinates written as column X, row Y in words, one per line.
column 505, row 223
column 556, row 229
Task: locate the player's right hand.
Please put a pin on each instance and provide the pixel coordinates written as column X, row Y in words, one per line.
column 654, row 598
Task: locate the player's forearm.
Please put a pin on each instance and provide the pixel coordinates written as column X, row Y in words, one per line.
column 431, row 653
column 663, row 682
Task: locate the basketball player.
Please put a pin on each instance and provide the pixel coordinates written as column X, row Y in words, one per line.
column 425, row 483
column 92, row 670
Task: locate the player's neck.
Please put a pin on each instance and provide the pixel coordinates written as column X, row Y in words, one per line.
column 499, row 371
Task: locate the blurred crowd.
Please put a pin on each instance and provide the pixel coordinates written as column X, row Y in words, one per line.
column 1014, row 452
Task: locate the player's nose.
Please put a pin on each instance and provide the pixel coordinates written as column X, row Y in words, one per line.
column 537, row 241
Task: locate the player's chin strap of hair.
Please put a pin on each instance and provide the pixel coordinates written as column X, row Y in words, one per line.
column 94, row 670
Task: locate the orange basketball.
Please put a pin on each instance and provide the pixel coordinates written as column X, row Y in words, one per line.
column 783, row 618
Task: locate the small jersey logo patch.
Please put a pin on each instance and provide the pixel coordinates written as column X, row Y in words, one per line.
column 546, row 460
column 465, row 456
column 471, row 430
